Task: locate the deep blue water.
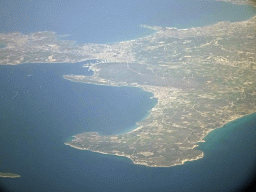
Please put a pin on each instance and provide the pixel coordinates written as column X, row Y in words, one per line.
column 41, row 111
column 101, row 21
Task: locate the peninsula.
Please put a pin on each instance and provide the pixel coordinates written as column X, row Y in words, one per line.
column 203, row 78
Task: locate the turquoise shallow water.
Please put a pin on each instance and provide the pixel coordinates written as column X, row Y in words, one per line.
column 41, row 111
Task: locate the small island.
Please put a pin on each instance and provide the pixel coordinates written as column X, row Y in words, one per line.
column 9, row 175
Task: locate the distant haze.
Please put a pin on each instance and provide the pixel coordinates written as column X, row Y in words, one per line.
column 102, row 21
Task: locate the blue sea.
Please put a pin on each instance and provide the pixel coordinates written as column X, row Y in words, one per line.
column 101, row 21
column 40, row 110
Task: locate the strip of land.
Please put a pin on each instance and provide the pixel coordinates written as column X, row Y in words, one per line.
column 9, row 175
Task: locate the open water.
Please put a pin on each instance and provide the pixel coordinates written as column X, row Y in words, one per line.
column 40, row 110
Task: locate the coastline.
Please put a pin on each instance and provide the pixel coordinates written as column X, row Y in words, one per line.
column 150, row 112
column 82, row 137
column 136, row 163
column 81, row 56
column 100, row 81
column 152, row 29
column 181, row 163
column 145, row 88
